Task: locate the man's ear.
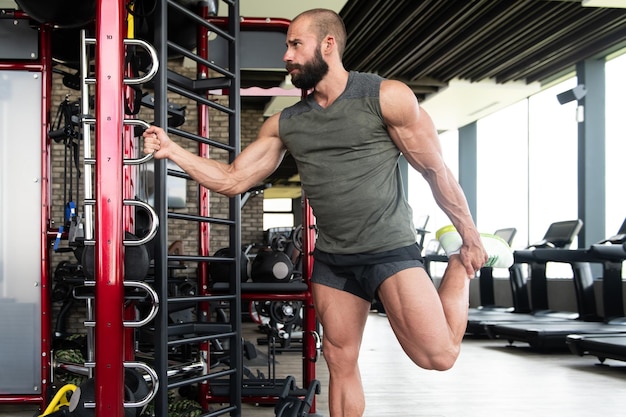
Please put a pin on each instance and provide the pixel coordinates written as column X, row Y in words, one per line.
column 328, row 43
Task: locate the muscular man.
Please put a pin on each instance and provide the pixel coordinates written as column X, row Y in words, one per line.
column 346, row 138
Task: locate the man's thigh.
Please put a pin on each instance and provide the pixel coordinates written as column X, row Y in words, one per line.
column 341, row 314
column 412, row 304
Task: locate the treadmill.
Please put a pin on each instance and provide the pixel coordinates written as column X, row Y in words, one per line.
column 559, row 235
column 611, row 253
column 603, row 345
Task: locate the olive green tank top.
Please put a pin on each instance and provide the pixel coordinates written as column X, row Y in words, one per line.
column 348, row 167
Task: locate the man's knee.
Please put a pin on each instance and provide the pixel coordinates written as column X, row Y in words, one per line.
column 340, row 357
column 440, row 361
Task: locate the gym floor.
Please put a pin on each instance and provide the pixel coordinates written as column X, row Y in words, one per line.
column 489, row 379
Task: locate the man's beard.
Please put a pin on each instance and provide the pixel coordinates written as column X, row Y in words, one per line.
column 310, row 73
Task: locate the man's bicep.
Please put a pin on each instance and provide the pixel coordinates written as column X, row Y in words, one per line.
column 259, row 159
column 264, row 154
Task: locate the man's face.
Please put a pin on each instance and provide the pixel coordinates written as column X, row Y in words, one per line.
column 303, row 59
column 310, row 73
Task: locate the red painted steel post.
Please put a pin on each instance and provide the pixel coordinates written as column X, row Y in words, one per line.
column 46, row 282
column 204, row 203
column 109, row 372
column 310, row 320
column 309, row 337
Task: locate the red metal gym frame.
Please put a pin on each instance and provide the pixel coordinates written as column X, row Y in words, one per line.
column 203, row 199
column 109, row 58
column 44, row 66
column 46, row 282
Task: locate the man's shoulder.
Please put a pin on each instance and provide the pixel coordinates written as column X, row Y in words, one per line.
column 363, row 85
column 295, row 109
column 369, row 76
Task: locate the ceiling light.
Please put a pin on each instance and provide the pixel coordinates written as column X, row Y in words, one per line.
column 604, row 3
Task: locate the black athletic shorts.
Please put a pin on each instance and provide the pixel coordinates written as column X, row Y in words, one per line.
column 362, row 273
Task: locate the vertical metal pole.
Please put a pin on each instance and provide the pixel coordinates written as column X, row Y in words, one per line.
column 203, row 204
column 234, row 125
column 46, row 306
column 160, row 205
column 310, row 321
column 86, row 137
column 468, row 169
column 109, row 371
column 592, row 154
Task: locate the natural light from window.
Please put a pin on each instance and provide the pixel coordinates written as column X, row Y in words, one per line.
column 527, row 163
column 277, row 212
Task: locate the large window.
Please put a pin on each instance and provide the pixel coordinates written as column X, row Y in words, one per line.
column 527, row 172
column 421, row 198
column 277, row 212
column 502, row 171
column 527, row 166
column 552, row 159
